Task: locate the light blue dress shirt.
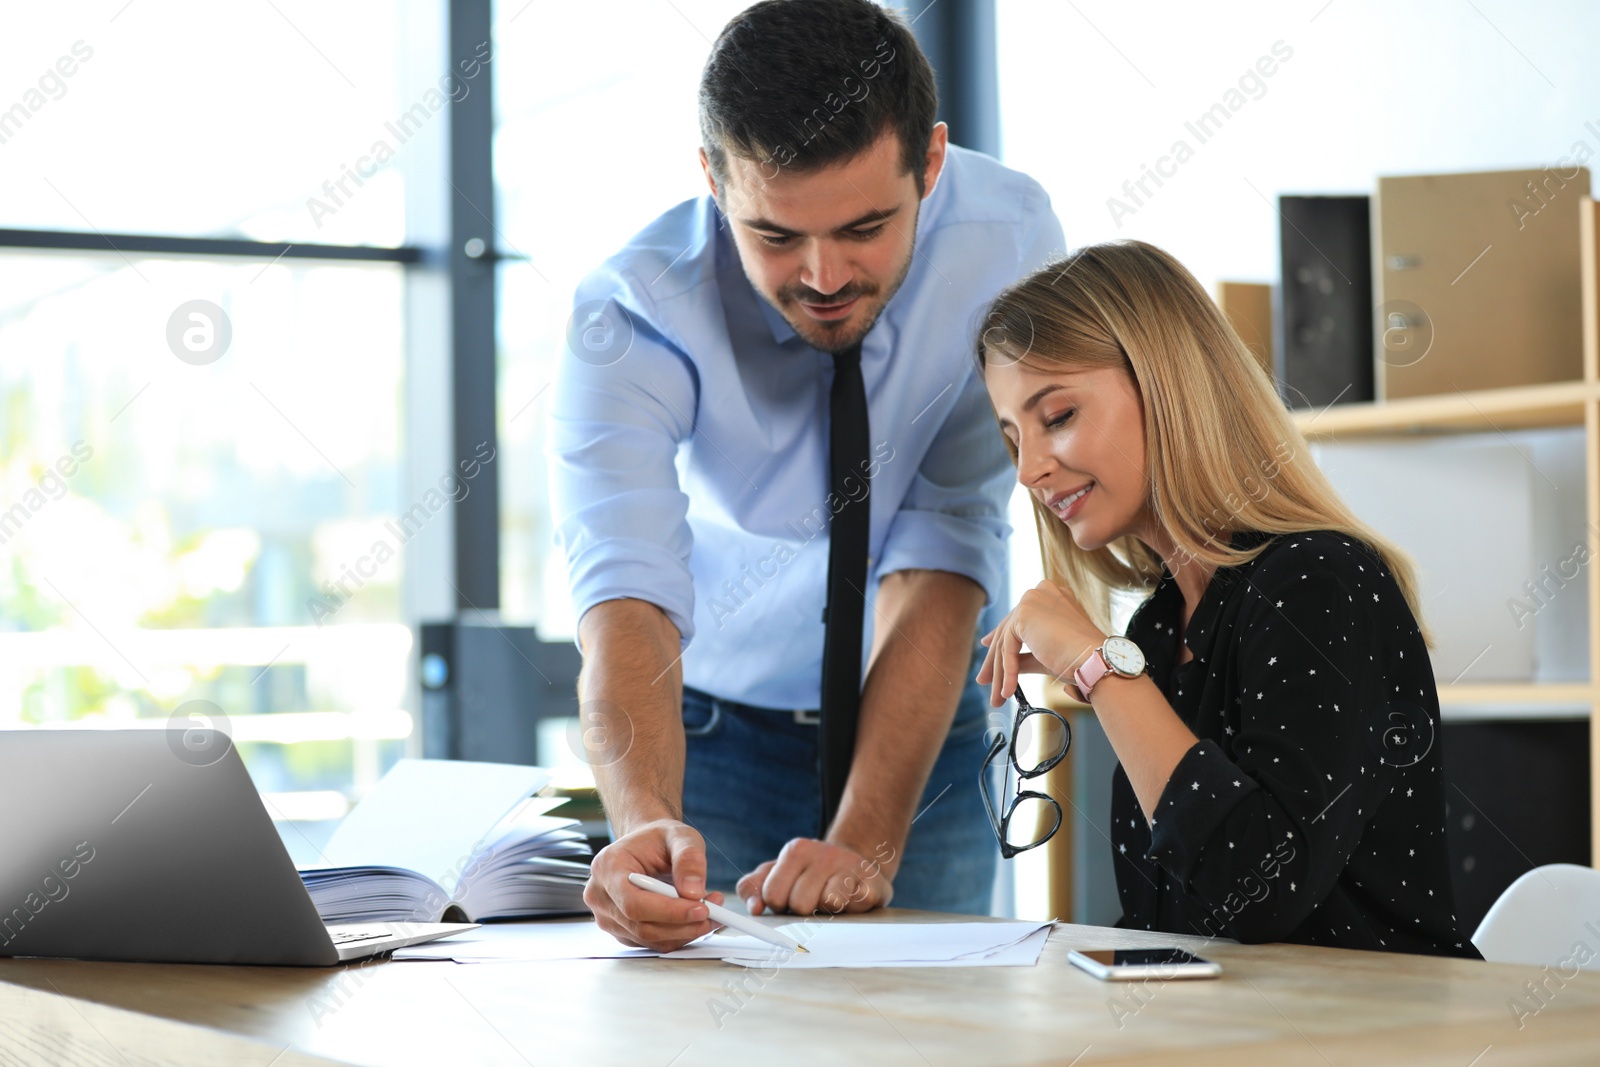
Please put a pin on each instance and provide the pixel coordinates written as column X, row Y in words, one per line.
column 688, row 441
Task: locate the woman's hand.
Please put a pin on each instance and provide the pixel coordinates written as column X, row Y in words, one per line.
column 1057, row 632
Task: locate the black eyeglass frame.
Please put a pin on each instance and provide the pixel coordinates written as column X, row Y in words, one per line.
column 1001, row 824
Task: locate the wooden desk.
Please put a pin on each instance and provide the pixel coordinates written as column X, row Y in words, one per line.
column 1276, row 1004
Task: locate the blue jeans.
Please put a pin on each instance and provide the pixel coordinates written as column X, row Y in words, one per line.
column 750, row 785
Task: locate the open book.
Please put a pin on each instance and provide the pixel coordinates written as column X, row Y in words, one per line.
column 452, row 841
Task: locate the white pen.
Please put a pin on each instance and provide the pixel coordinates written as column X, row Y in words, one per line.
column 742, row 923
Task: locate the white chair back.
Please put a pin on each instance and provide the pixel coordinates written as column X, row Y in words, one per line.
column 1551, row 915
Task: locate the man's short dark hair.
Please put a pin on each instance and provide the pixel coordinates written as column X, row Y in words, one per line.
column 800, row 84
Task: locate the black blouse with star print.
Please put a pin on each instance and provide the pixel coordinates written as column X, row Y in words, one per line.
column 1311, row 809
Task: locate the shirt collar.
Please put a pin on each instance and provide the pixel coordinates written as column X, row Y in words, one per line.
column 731, row 265
column 781, row 330
column 1211, row 601
column 1250, row 538
column 1166, row 600
column 1239, row 540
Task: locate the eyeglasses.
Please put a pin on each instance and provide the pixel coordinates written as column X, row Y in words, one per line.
column 1027, row 834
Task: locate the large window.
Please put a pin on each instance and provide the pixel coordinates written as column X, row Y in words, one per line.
column 201, row 119
column 200, row 453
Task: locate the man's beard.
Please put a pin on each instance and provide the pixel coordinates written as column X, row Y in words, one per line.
column 842, row 335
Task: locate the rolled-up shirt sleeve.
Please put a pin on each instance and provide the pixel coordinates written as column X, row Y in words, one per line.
column 617, row 414
column 953, row 516
column 1260, row 838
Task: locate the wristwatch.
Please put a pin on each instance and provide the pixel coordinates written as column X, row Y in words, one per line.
column 1117, row 655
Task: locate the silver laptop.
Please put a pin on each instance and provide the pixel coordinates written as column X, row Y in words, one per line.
column 153, row 845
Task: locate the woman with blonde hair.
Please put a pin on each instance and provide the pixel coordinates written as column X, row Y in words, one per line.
column 1272, row 705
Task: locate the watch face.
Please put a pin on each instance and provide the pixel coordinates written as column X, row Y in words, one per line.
column 1122, row 655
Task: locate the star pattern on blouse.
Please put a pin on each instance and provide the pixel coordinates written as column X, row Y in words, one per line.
column 1177, row 875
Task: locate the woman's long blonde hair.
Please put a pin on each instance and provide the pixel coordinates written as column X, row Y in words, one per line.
column 1222, row 452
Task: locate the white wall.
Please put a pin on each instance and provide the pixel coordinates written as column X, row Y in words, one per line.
column 1093, row 91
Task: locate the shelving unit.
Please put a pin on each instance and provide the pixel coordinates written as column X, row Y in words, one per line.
column 1501, row 700
column 1561, row 404
column 1522, row 407
column 1497, row 410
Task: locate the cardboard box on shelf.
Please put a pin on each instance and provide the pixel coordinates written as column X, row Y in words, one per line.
column 1477, row 281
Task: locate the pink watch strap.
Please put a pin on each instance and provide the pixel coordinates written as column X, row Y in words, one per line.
column 1094, row 668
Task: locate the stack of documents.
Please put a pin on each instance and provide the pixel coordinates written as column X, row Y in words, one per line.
column 829, row 943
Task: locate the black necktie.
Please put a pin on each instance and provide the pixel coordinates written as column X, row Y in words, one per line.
column 848, row 466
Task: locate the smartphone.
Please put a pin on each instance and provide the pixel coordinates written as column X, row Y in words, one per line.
column 1132, row 964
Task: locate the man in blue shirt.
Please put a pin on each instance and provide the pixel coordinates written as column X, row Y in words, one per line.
column 844, row 246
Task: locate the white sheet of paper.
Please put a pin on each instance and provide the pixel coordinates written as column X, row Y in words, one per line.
column 1024, row 953
column 520, row 942
column 868, row 944
column 429, row 816
column 830, row 944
